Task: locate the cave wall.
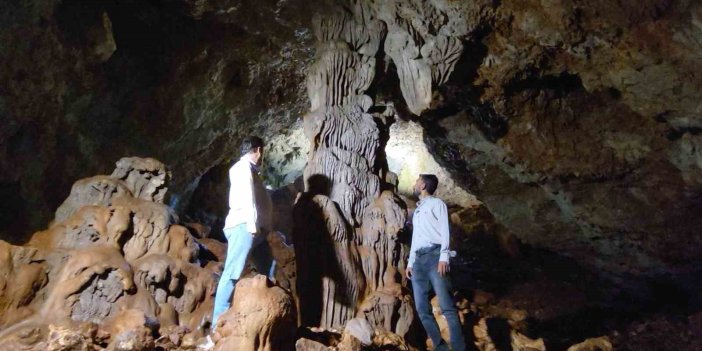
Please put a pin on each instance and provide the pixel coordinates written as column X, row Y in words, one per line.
column 85, row 83
column 577, row 123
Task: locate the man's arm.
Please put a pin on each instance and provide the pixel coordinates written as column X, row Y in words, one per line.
column 410, row 261
column 413, row 245
column 251, row 225
column 442, row 217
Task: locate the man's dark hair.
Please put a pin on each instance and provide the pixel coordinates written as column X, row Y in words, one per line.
column 250, row 143
column 431, row 182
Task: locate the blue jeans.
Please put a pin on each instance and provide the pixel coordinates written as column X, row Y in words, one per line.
column 425, row 277
column 239, row 244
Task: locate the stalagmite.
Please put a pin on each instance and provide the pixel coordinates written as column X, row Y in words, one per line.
column 347, row 224
column 262, row 317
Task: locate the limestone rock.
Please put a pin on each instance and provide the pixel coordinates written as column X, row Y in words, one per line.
column 151, row 222
column 423, row 49
column 388, row 340
column 146, row 178
column 98, row 190
column 345, row 208
column 593, row 344
column 120, row 268
column 22, row 274
column 284, row 254
column 87, row 226
column 172, row 337
column 62, row 338
column 349, row 343
column 361, row 330
column 262, row 317
column 390, row 311
column 335, row 264
column 131, row 330
column 303, row 344
column 408, row 156
column 517, row 341
column 89, row 286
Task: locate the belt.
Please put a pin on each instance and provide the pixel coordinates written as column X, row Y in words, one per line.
column 428, row 249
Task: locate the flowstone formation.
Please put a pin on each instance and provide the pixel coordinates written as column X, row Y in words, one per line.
column 349, row 221
column 114, row 270
column 262, row 317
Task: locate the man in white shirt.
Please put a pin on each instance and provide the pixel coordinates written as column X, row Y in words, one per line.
column 429, row 263
column 246, row 225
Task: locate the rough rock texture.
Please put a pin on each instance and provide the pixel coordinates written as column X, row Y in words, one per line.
column 316, row 339
column 360, row 329
column 594, row 344
column 570, row 121
column 349, row 209
column 575, row 123
column 486, row 339
column 119, row 265
column 262, row 317
column 182, row 81
column 408, row 156
column 303, row 344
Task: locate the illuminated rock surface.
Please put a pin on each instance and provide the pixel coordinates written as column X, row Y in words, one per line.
column 565, row 133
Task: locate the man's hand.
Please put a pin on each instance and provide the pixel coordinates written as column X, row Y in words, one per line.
column 443, row 268
column 408, row 272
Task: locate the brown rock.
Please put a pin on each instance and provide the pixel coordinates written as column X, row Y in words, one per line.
column 131, row 330
column 21, row 275
column 63, row 338
column 521, row 342
column 483, row 330
column 284, row 254
column 150, row 222
column 97, row 191
column 262, row 317
column 171, row 337
column 481, row 297
column 89, row 225
column 183, row 286
column 146, row 178
column 89, row 286
column 385, row 340
column 593, row 344
column 303, row 344
column 350, row 343
column 360, row 329
column 198, row 230
column 181, row 244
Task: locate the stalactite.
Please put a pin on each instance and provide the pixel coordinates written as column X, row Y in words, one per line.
column 346, row 227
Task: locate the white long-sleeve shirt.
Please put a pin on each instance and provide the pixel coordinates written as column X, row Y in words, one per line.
column 249, row 201
column 430, row 226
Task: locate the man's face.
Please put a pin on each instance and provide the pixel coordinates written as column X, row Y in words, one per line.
column 418, row 186
column 258, row 156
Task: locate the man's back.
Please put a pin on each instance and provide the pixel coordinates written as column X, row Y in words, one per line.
column 249, row 201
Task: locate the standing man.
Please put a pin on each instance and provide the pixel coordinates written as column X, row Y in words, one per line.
column 429, row 263
column 246, row 225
